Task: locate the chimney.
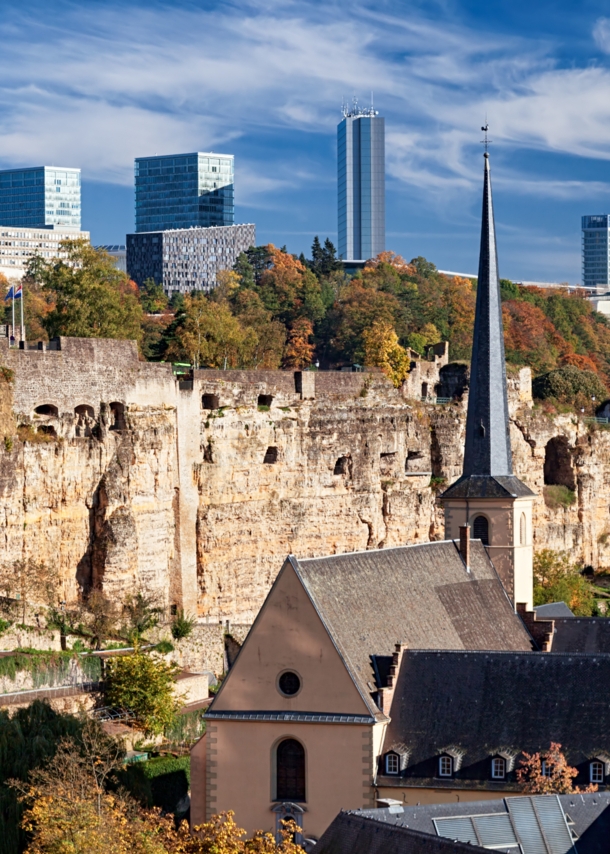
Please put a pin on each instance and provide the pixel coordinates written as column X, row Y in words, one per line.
column 465, row 544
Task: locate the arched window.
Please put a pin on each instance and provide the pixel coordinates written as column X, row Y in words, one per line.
column 522, row 530
column 480, row 530
column 290, row 768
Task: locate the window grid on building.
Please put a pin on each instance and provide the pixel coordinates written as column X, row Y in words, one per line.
column 498, row 768
column 596, row 772
column 392, row 763
column 445, row 766
column 41, row 197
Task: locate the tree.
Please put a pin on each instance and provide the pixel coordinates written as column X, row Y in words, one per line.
column 548, row 773
column 381, row 349
column 90, row 297
column 299, row 349
column 153, row 297
column 102, row 616
column 144, row 683
column 557, row 579
column 208, row 334
column 142, row 611
column 571, row 385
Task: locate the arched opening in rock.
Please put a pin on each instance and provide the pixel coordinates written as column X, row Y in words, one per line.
column 118, row 416
column 265, row 400
column 271, row 455
column 480, row 530
column 210, row 401
column 47, row 409
column 558, row 470
column 342, row 466
column 411, row 461
column 84, row 410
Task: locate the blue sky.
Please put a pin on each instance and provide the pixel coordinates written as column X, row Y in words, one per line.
column 96, row 84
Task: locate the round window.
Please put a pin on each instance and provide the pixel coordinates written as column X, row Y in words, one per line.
column 289, row 683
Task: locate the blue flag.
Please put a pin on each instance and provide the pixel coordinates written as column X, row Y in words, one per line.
column 10, row 293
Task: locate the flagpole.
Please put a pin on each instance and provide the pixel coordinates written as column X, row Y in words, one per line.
column 22, row 326
column 13, row 308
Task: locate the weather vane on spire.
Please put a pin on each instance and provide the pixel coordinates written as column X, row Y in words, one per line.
column 486, row 142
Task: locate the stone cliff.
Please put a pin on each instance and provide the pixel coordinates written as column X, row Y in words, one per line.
column 123, row 476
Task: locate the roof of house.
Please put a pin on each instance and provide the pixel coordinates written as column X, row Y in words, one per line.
column 482, row 702
column 552, row 610
column 420, row 595
column 487, row 486
column 581, row 634
column 352, row 833
column 542, row 823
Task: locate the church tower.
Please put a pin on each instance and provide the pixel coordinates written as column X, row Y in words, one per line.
column 488, row 496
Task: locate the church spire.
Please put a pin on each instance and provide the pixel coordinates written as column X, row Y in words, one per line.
column 487, row 468
column 488, row 449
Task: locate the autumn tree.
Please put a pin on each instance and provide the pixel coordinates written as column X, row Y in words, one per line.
column 382, row 350
column 90, row 297
column 207, row 333
column 32, row 582
column 299, row 349
column 557, row 579
column 548, row 773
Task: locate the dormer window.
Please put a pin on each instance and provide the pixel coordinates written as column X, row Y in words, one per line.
column 498, row 768
column 392, row 763
column 445, row 766
column 596, row 772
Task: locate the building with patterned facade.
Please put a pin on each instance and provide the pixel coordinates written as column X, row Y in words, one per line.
column 596, row 252
column 186, row 259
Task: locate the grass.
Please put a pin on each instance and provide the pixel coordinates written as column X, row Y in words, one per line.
column 557, row 496
column 263, row 408
column 26, row 433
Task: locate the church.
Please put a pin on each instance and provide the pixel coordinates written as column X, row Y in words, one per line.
column 413, row 674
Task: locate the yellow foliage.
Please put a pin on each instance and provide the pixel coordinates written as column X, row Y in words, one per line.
column 382, row 350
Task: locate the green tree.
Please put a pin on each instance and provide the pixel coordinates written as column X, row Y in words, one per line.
column 153, row 297
column 91, row 297
column 144, row 683
column 582, row 389
column 557, row 579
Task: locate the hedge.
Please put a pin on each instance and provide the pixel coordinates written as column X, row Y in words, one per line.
column 161, row 782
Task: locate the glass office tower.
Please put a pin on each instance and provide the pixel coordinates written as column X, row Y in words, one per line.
column 184, row 191
column 40, row 197
column 595, row 249
column 361, row 179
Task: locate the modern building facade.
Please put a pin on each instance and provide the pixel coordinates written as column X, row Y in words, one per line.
column 41, row 197
column 184, row 191
column 361, row 184
column 18, row 245
column 595, row 252
column 186, row 259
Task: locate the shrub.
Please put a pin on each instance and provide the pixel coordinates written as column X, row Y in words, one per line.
column 182, row 625
column 571, row 385
column 558, row 496
column 161, row 782
column 145, row 685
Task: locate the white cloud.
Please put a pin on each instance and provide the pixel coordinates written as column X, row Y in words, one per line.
column 601, row 34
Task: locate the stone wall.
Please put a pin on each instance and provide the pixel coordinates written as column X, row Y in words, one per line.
column 197, row 489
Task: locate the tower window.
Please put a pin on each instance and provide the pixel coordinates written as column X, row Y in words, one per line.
column 290, row 771
column 522, row 530
column 480, row 530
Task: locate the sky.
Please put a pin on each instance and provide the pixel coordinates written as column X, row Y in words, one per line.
column 96, row 84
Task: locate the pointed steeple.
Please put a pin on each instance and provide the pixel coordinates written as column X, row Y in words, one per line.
column 487, row 469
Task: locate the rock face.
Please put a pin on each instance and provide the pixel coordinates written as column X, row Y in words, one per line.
column 129, row 477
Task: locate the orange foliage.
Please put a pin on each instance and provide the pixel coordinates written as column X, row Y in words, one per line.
column 299, row 351
column 557, row 776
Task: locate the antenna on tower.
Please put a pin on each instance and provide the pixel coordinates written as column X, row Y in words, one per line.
column 486, row 142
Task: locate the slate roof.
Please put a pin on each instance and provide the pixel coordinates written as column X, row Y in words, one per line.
column 352, row 833
column 487, row 486
column 587, row 816
column 552, row 610
column 581, row 634
column 419, row 595
column 481, row 702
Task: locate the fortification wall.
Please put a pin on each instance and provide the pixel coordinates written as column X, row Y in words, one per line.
column 200, row 488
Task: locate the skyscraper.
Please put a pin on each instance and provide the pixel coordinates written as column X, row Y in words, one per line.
column 184, row 191
column 40, row 197
column 595, row 252
column 361, row 179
